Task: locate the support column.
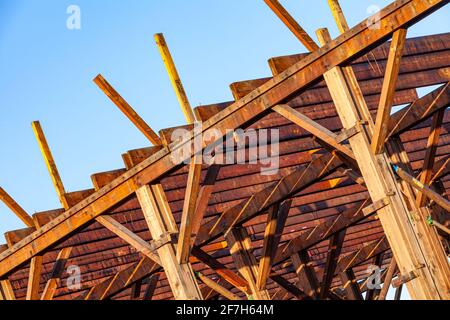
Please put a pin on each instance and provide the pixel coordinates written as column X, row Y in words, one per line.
column 381, row 183
column 160, row 221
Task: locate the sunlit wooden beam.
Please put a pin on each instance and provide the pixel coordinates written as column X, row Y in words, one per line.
column 16, row 208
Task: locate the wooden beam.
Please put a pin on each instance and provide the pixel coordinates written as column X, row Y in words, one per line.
column 228, row 275
column 134, row 157
column 7, row 289
column 244, row 111
column 398, row 293
column 129, row 237
column 388, row 91
column 289, row 287
column 240, row 249
column 15, row 236
column 57, row 272
column 189, row 208
column 160, row 220
column 350, row 285
column 420, row 110
column 293, row 25
column 276, row 220
column 380, row 181
column 174, row 78
column 313, row 127
column 50, row 162
column 203, row 198
column 127, row 110
column 306, row 274
column 16, row 208
column 338, row 15
column 218, row 288
column 34, row 278
column 334, row 252
column 387, row 281
column 426, row 190
column 430, row 154
column 151, row 286
column 99, row 180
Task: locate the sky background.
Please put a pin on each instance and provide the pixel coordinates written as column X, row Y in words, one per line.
column 46, row 73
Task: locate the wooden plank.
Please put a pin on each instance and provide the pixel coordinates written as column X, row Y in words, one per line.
column 276, row 220
column 160, row 221
column 57, row 272
column 174, row 78
column 289, row 287
column 7, row 290
column 338, row 15
column 427, row 191
column 14, row 237
column 204, row 195
column 334, row 252
column 205, row 112
column 388, row 90
column 127, row 110
column 241, row 112
column 420, row 110
column 242, row 88
column 151, row 286
column 380, row 182
column 240, row 249
column 73, row 198
column 16, row 208
column 218, row 288
column 34, row 278
column 313, row 127
column 387, row 281
column 428, row 162
column 293, row 25
column 308, row 281
column 167, row 134
column 50, row 163
column 42, row 218
column 129, row 237
column 99, row 180
column 222, row 270
column 189, row 208
column 350, row 285
column 134, row 157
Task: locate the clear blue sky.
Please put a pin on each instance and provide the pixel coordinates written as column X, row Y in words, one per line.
column 46, row 74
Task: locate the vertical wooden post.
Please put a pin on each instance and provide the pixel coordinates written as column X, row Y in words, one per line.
column 34, row 278
column 381, row 184
column 160, row 221
column 240, row 248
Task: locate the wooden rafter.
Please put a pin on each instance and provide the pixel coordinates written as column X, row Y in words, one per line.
column 308, row 281
column 432, row 144
column 16, row 208
column 151, row 286
column 218, row 288
column 334, row 252
column 387, row 281
column 50, row 162
column 276, row 220
column 127, row 110
column 388, row 91
column 7, row 290
column 34, row 278
column 57, row 272
column 293, row 25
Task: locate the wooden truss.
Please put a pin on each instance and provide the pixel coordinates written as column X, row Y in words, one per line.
column 244, row 250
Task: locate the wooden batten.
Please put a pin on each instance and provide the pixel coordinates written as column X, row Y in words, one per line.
column 242, row 88
column 42, row 218
column 99, row 180
column 134, row 157
column 16, row 208
column 13, row 237
column 204, row 113
column 167, row 134
column 73, row 198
